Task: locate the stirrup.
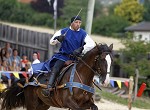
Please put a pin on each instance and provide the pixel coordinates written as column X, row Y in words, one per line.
column 45, row 92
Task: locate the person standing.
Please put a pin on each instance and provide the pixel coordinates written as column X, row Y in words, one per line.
column 15, row 58
column 8, row 49
column 74, row 41
column 35, row 58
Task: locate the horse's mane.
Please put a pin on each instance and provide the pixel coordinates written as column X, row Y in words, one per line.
column 88, row 53
column 94, row 49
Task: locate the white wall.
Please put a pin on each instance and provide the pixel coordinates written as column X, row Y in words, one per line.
column 145, row 35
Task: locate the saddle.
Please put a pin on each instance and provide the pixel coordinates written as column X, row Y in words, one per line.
column 43, row 78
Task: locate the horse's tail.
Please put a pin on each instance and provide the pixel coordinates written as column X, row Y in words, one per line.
column 13, row 96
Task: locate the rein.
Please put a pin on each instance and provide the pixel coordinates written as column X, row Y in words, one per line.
column 88, row 66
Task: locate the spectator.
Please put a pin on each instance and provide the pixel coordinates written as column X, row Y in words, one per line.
column 2, row 54
column 4, row 66
column 35, row 58
column 14, row 66
column 15, row 58
column 8, row 49
column 4, row 78
column 24, row 61
column 7, row 58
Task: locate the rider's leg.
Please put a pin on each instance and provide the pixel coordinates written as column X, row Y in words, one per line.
column 55, row 71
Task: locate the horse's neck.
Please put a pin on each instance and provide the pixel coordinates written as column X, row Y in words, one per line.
column 89, row 58
column 85, row 67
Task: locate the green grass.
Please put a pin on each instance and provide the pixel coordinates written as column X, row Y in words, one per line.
column 142, row 102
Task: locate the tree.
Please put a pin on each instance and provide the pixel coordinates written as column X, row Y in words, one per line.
column 131, row 10
column 7, row 7
column 135, row 55
column 44, row 7
column 147, row 12
column 109, row 25
column 71, row 8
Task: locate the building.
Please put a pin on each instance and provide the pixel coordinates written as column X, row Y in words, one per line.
column 109, row 2
column 140, row 31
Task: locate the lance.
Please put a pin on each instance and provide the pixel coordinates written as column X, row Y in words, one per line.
column 73, row 21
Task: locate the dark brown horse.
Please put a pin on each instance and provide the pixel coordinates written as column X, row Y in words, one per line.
column 77, row 87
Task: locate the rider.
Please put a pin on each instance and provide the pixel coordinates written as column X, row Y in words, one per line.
column 74, row 41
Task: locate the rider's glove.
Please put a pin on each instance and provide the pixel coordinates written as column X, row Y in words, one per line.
column 59, row 38
column 78, row 51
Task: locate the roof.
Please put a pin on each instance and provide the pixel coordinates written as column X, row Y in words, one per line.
column 143, row 26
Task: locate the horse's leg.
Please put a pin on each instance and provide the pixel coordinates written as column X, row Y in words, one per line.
column 90, row 105
column 72, row 104
column 94, row 107
column 32, row 100
column 42, row 106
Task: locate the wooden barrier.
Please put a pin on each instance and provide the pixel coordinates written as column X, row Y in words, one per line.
column 26, row 40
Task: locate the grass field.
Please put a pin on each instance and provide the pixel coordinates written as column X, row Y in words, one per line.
column 142, row 102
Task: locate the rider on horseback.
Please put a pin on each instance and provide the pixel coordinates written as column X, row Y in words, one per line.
column 74, row 41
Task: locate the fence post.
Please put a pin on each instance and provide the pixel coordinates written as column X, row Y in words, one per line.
column 131, row 83
column 136, row 83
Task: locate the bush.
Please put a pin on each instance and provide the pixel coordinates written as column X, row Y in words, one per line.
column 13, row 11
column 7, row 8
column 42, row 19
column 108, row 25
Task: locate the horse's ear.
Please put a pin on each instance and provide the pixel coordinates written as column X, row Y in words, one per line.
column 111, row 47
column 96, row 43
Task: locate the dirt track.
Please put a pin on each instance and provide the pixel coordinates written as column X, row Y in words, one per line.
column 102, row 105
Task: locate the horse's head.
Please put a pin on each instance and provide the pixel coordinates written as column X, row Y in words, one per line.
column 103, row 60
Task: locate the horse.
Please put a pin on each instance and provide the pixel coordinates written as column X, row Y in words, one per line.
column 76, row 85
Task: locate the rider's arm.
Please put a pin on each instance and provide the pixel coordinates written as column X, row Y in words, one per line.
column 54, row 42
column 89, row 44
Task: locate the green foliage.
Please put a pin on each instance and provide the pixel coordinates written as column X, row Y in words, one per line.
column 111, row 8
column 71, row 8
column 98, row 10
column 42, row 19
column 109, row 25
column 135, row 55
column 131, row 10
column 6, row 8
column 13, row 11
column 147, row 12
column 139, row 103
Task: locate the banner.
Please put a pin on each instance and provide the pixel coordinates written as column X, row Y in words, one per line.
column 7, row 74
column 119, row 84
column 24, row 74
column 112, row 83
column 126, row 83
column 16, row 74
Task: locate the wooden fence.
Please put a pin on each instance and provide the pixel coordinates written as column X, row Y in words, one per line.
column 26, row 41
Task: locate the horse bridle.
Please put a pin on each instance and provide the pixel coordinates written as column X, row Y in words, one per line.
column 88, row 66
column 97, row 58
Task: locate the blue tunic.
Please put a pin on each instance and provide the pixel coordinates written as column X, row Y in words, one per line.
column 73, row 40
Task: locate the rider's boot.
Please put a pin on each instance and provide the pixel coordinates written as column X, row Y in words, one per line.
column 46, row 92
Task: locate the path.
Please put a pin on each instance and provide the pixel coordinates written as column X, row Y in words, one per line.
column 102, row 105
